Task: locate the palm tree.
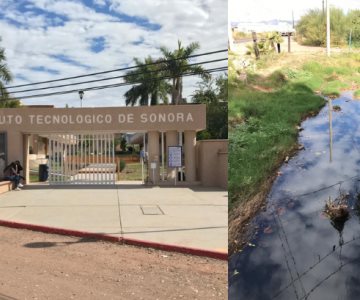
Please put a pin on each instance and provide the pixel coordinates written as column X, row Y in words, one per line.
column 175, row 67
column 5, row 75
column 150, row 84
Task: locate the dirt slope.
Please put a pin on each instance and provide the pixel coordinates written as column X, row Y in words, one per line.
column 41, row 266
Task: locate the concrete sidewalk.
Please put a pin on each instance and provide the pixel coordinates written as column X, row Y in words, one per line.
column 187, row 217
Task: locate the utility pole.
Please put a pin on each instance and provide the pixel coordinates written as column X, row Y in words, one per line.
column 293, row 19
column 328, row 28
column 323, row 7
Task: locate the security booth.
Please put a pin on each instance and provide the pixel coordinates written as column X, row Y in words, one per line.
column 76, row 145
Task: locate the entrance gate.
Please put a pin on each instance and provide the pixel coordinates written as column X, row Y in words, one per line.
column 86, row 158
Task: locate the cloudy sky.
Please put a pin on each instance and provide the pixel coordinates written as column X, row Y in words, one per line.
column 50, row 39
column 263, row 10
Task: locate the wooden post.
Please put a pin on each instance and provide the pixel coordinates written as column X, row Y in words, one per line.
column 289, row 48
column 256, row 49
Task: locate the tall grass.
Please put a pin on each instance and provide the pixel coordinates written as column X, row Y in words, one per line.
column 266, row 134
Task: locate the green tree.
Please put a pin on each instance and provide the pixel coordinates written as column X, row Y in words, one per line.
column 353, row 25
column 222, row 86
column 311, row 29
column 123, row 144
column 213, row 93
column 176, row 66
column 273, row 38
column 205, row 93
column 10, row 102
column 5, row 77
column 150, row 85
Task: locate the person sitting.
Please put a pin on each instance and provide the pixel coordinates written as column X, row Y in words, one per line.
column 19, row 168
column 11, row 172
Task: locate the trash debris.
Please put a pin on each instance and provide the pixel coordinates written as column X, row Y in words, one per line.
column 251, row 245
column 286, row 159
column 290, row 204
column 299, row 128
column 301, row 147
column 268, row 229
column 280, row 210
column 337, row 209
column 336, row 108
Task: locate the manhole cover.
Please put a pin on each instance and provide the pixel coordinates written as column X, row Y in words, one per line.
column 151, row 210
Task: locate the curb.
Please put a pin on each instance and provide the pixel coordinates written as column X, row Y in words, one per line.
column 121, row 240
column 175, row 248
column 60, row 231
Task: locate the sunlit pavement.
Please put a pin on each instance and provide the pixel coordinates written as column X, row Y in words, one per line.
column 188, row 217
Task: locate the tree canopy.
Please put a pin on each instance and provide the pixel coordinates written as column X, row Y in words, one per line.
column 151, row 86
column 5, row 77
column 213, row 93
column 151, row 78
column 177, row 62
column 311, row 29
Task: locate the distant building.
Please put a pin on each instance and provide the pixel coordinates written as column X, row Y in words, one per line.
column 265, row 26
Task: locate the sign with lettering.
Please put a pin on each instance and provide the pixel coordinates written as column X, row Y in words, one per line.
column 159, row 117
column 175, row 156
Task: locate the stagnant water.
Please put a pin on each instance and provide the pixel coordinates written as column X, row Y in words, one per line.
column 298, row 252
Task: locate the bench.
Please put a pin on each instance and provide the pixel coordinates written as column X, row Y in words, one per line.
column 5, row 186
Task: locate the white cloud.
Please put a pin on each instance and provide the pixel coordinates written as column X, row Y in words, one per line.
column 99, row 2
column 38, row 41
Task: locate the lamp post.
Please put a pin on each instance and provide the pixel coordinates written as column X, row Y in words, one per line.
column 81, row 95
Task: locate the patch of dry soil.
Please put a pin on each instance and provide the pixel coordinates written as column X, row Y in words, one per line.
column 35, row 265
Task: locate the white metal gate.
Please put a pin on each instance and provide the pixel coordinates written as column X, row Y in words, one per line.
column 82, row 159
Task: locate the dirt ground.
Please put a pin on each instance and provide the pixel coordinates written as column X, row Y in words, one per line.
column 42, row 266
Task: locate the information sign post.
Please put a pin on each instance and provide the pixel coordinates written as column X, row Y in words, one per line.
column 175, row 158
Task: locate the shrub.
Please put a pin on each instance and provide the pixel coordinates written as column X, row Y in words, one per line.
column 122, row 165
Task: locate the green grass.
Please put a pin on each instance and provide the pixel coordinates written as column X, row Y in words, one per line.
column 264, row 113
column 333, row 88
column 266, row 133
column 34, row 177
column 357, row 94
column 132, row 171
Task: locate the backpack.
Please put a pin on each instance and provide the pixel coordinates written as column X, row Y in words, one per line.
column 8, row 171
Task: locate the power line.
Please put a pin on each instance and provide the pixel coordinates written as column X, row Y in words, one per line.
column 114, row 77
column 116, row 70
column 287, row 261
column 219, row 69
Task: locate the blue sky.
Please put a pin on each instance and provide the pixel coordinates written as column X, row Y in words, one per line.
column 50, row 39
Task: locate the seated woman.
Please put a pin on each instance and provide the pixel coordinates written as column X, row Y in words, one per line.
column 11, row 172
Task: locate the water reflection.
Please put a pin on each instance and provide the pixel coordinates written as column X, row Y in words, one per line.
column 298, row 252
